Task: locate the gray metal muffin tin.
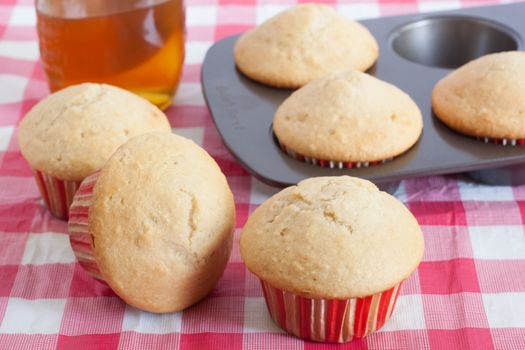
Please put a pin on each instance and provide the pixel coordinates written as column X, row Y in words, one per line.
column 415, row 52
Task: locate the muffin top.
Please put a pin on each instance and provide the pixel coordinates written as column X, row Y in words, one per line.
column 332, row 237
column 349, row 116
column 72, row 132
column 162, row 226
column 304, row 43
column 485, row 97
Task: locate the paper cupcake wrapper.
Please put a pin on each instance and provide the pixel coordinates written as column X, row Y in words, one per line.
column 57, row 194
column 329, row 320
column 333, row 164
column 504, row 142
column 78, row 226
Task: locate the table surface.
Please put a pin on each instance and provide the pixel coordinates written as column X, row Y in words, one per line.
column 469, row 291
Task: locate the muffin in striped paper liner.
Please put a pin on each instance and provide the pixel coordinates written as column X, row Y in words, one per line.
column 329, row 320
column 332, row 164
column 330, row 270
column 485, row 98
column 502, row 141
column 72, row 133
column 347, row 120
column 157, row 230
column 57, row 194
column 79, row 236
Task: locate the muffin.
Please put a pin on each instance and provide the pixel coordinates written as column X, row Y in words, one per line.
column 329, row 269
column 302, row 44
column 72, row 132
column 158, row 230
column 485, row 98
column 347, row 120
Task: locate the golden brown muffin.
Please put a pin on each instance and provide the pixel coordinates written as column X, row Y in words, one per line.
column 161, row 217
column 72, row 132
column 302, row 44
column 485, row 98
column 348, row 117
column 332, row 238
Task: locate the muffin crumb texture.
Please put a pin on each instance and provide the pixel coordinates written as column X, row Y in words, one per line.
column 302, row 44
column 349, row 116
column 332, row 237
column 485, row 97
column 72, row 132
column 162, row 220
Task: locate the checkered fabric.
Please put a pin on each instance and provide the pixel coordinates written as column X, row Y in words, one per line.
column 468, row 293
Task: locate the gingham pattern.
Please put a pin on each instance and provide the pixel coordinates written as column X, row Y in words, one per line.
column 469, row 291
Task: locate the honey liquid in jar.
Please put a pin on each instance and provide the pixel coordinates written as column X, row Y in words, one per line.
column 135, row 44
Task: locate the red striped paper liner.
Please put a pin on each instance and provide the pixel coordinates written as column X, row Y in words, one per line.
column 78, row 226
column 329, row 320
column 57, row 194
column 333, row 164
column 503, row 142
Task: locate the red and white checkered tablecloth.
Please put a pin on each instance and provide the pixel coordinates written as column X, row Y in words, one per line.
column 469, row 291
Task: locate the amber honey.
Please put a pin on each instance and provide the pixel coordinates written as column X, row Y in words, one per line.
column 134, row 44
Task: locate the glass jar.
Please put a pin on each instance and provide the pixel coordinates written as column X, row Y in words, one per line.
column 135, row 44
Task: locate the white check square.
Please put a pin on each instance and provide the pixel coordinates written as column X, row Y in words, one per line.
column 145, row 322
column 23, row 16
column 12, row 88
column 471, row 191
column 505, row 310
column 195, row 52
column 257, row 318
column 23, row 50
column 264, row 12
column 48, row 248
column 359, row 10
column 189, row 94
column 5, row 136
column 408, row 314
column 431, row 6
column 201, row 15
column 497, row 242
column 39, row 316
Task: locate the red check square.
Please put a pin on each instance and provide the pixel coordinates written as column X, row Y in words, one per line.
column 465, row 338
column 211, row 341
column 231, row 282
column 439, row 213
column 88, row 341
column 226, row 30
column 448, row 277
column 7, row 279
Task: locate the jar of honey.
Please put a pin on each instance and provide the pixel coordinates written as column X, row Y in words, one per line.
column 135, row 44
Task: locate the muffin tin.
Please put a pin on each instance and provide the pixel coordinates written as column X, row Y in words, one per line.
column 415, row 52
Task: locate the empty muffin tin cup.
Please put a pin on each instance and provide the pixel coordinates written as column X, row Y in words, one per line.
column 451, row 41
